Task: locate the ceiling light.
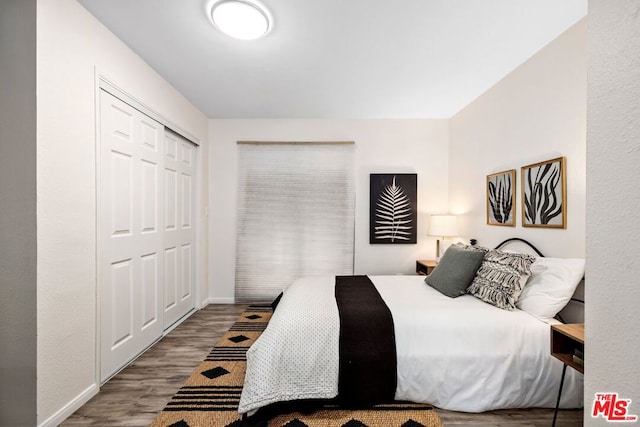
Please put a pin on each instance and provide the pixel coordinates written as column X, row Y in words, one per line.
column 241, row 19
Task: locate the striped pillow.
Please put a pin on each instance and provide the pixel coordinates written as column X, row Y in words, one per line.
column 501, row 278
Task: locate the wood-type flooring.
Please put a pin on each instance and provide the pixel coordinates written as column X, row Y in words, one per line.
column 135, row 395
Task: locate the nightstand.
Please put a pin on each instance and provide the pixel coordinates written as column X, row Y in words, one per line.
column 425, row 267
column 567, row 345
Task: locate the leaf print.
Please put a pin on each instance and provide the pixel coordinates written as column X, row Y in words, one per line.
column 393, row 214
column 543, row 201
column 500, row 200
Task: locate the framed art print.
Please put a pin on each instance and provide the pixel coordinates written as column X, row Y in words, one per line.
column 393, row 208
column 544, row 194
column 501, row 198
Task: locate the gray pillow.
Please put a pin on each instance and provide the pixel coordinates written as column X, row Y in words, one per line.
column 456, row 270
column 501, row 278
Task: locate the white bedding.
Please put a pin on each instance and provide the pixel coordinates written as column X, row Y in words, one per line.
column 459, row 354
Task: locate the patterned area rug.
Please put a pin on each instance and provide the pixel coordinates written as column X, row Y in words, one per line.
column 211, row 395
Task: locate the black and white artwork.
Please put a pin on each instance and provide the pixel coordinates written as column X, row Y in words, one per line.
column 544, row 195
column 501, row 196
column 393, row 208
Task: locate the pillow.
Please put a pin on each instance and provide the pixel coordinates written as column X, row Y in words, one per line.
column 456, row 269
column 553, row 281
column 501, row 278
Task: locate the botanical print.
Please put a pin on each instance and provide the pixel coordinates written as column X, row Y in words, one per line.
column 544, row 194
column 393, row 208
column 501, row 189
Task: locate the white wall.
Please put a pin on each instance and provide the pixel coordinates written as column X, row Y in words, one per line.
column 18, row 213
column 71, row 45
column 382, row 146
column 613, row 202
column 536, row 113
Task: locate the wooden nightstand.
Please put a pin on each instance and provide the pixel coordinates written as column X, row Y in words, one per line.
column 425, row 267
column 567, row 341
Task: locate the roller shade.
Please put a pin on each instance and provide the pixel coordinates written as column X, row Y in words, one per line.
column 295, row 217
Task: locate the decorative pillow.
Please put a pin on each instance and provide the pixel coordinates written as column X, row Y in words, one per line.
column 551, row 285
column 501, row 278
column 456, row 269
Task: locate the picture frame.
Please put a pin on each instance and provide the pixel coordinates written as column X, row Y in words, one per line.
column 393, row 208
column 501, row 198
column 544, row 194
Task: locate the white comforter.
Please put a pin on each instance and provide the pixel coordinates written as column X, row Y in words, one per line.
column 459, row 354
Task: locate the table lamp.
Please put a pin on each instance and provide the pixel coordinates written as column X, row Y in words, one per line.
column 442, row 226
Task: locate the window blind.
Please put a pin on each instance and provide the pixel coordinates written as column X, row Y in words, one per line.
column 295, row 215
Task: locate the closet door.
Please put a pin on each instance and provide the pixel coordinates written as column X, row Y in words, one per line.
column 179, row 235
column 130, row 227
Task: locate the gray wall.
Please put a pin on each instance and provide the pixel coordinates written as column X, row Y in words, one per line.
column 18, row 213
column 613, row 202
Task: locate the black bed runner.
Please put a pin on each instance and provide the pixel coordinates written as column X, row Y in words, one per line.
column 367, row 344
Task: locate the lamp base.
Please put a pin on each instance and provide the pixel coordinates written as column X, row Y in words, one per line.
column 441, row 248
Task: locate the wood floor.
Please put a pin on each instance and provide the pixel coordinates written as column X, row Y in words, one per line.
column 140, row 391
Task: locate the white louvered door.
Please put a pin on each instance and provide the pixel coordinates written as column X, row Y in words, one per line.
column 145, row 231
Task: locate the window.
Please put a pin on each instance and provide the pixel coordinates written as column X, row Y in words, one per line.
column 295, row 215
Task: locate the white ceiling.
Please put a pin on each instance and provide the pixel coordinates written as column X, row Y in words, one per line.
column 340, row 58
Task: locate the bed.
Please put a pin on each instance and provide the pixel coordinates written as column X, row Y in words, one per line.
column 459, row 354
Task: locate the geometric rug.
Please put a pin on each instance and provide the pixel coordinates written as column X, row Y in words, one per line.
column 210, row 397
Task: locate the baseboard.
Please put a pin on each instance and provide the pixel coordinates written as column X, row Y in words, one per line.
column 70, row 407
column 219, row 301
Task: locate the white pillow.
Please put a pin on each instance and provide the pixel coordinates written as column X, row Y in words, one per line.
column 551, row 285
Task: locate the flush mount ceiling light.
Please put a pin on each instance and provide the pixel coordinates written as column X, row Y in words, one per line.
column 241, row 19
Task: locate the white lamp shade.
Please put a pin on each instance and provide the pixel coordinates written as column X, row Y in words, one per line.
column 443, row 225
